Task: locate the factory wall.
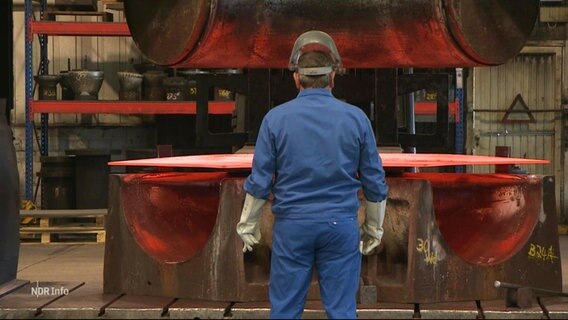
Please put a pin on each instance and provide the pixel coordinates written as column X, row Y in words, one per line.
column 533, row 77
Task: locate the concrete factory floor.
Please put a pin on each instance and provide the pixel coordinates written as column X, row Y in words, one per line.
column 65, row 267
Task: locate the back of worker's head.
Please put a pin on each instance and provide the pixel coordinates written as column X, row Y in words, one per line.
column 314, row 60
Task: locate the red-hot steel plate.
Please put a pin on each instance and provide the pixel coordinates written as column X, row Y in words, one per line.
column 244, row 161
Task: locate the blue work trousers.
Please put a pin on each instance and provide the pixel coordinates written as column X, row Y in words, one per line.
column 332, row 247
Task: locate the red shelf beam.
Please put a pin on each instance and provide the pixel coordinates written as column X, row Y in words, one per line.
column 129, row 107
column 80, row 28
column 430, row 108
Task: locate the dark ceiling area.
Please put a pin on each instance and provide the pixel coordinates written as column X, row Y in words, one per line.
column 6, row 53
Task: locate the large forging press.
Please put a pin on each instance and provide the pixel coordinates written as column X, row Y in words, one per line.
column 448, row 236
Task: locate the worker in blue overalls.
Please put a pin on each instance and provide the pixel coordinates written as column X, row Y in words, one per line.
column 314, row 153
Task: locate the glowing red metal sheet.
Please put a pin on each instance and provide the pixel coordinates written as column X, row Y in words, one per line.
column 244, row 161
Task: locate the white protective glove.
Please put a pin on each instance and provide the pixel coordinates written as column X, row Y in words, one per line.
column 247, row 228
column 372, row 228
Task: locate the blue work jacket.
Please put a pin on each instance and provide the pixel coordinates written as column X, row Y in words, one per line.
column 314, row 153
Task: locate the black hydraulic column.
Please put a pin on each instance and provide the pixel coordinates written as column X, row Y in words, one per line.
column 9, row 188
column 386, row 96
column 9, row 200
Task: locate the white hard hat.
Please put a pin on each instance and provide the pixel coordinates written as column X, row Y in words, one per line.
column 314, row 41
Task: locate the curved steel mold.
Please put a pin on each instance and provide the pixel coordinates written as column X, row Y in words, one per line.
column 485, row 219
column 171, row 216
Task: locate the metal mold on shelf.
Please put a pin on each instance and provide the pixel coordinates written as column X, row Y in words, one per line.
column 130, row 86
column 176, row 88
column 47, row 86
column 173, row 234
column 86, row 84
column 153, row 87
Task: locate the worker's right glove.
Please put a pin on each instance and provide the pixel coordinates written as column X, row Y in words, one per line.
column 247, row 228
column 372, row 228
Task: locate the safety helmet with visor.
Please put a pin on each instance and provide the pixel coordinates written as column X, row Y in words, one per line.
column 314, row 41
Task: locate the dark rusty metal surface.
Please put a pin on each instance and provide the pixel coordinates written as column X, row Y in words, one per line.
column 439, row 245
column 538, row 263
column 9, row 202
column 167, row 30
column 371, row 33
column 491, row 30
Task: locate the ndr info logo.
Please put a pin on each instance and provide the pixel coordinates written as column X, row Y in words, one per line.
column 40, row 291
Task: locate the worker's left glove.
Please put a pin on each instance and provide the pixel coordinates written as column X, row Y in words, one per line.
column 372, row 229
column 247, row 228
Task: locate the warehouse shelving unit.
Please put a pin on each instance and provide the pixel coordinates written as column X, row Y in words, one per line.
column 106, row 29
column 44, row 29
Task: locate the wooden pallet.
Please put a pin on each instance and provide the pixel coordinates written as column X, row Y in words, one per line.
column 89, row 221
